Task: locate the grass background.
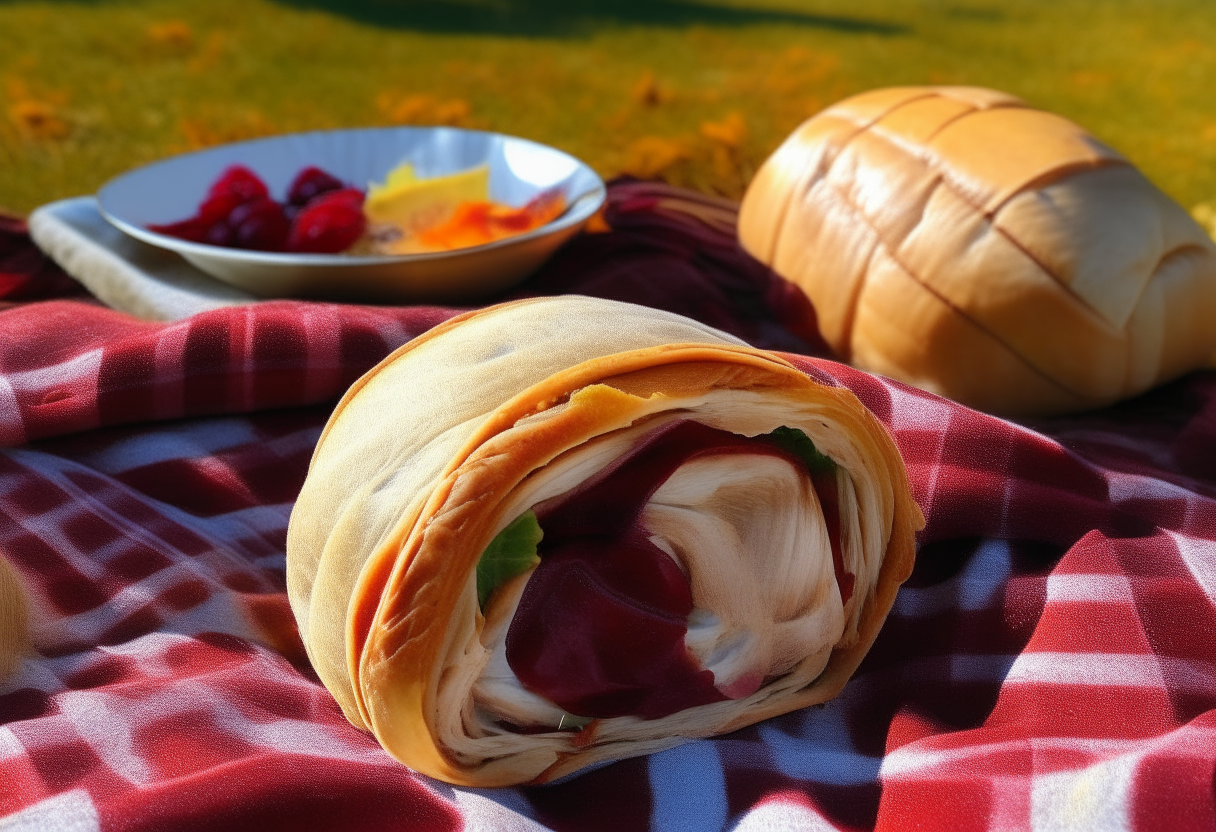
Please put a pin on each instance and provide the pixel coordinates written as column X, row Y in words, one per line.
column 697, row 92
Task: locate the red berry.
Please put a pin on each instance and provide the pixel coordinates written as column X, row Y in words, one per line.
column 216, row 208
column 259, row 224
column 354, row 196
column 329, row 223
column 321, row 216
column 240, row 182
column 309, row 183
column 236, row 186
column 193, row 229
column 219, row 234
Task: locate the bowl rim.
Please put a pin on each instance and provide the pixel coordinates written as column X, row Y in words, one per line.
column 579, row 210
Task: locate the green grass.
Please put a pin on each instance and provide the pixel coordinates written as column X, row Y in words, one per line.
column 695, row 92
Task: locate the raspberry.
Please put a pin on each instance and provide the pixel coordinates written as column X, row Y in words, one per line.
column 219, row 234
column 329, row 224
column 236, row 186
column 320, row 215
column 193, row 229
column 240, row 182
column 309, row 183
column 259, row 224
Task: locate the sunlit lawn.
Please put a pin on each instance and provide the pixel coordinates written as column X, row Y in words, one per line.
column 695, row 92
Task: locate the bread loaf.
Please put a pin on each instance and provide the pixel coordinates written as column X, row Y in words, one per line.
column 14, row 620
column 959, row 240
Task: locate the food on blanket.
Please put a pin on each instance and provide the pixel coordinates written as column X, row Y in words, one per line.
column 322, row 215
column 959, row 240
column 310, row 182
column 238, row 212
column 410, row 203
column 477, row 223
column 328, row 223
column 14, row 623
column 409, row 215
column 565, row 530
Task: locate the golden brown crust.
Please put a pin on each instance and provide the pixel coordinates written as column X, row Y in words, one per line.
column 412, row 604
column 930, row 225
column 14, row 620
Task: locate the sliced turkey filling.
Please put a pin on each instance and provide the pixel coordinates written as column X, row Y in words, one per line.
column 694, row 568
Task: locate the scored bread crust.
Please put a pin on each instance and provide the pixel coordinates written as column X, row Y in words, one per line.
column 959, row 240
column 383, row 586
column 14, row 620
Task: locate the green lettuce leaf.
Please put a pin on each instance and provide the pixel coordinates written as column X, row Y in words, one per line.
column 512, row 552
column 800, row 445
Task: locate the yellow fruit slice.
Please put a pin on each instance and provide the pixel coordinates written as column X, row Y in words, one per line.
column 398, row 177
column 412, row 204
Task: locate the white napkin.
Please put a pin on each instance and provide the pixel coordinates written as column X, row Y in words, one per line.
column 122, row 272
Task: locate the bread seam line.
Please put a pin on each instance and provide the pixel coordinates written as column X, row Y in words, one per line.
column 916, row 278
column 934, row 163
column 835, row 152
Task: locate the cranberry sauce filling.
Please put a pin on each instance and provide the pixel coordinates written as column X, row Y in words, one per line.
column 600, row 627
column 825, row 487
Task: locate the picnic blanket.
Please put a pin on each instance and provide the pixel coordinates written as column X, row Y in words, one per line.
column 1051, row 664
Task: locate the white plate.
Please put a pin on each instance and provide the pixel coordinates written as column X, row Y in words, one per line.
column 172, row 189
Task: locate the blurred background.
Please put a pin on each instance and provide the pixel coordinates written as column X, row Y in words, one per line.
column 695, row 92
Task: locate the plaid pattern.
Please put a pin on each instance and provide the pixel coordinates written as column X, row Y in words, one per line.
column 1051, row 664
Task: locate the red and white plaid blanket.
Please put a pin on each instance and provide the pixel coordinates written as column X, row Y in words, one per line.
column 1051, row 664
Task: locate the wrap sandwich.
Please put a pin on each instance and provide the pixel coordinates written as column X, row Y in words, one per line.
column 562, row 531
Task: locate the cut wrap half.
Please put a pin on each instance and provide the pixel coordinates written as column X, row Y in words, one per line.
column 562, row 531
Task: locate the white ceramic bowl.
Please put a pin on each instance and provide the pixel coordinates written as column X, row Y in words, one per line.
column 172, row 189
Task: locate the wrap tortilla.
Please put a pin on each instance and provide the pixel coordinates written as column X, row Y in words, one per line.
column 720, row 579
